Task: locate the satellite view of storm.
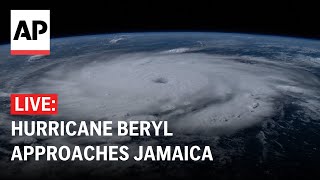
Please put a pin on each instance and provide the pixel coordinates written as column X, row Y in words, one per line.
column 254, row 99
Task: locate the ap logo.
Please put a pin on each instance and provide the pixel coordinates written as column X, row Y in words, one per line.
column 30, row 32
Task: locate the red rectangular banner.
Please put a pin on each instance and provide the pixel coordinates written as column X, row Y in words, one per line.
column 30, row 52
column 34, row 104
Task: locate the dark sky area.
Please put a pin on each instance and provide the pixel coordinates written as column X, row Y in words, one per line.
column 264, row 17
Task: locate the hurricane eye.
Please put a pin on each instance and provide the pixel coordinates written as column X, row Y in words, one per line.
column 160, row 80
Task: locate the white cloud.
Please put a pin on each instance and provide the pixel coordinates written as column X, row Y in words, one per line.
column 197, row 93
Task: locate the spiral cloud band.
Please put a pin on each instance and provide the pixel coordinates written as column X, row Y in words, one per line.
column 195, row 92
column 239, row 94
